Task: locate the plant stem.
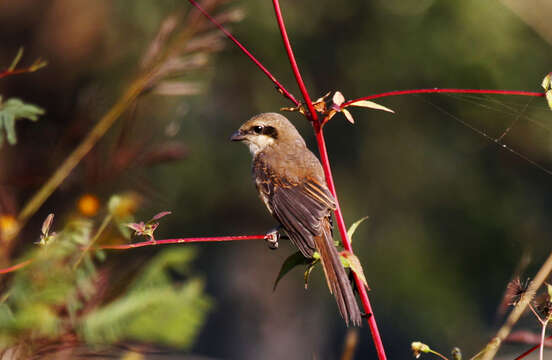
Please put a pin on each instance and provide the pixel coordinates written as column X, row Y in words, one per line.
column 101, row 229
column 437, row 90
column 15, row 267
column 247, row 53
column 181, row 241
column 531, row 350
column 543, row 333
column 313, row 117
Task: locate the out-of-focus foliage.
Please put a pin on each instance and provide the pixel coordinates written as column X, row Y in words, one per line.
column 52, row 298
column 11, row 110
column 153, row 309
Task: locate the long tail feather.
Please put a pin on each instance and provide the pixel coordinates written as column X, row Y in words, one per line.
column 336, row 277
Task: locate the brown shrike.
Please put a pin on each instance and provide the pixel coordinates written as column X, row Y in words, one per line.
column 291, row 183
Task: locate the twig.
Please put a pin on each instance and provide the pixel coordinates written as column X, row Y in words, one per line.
column 15, row 267
column 182, row 240
column 142, row 244
column 437, row 90
column 282, row 89
column 101, row 229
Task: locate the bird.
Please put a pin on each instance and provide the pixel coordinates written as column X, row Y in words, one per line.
column 291, row 183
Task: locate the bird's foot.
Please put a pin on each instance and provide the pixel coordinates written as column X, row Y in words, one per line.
column 272, row 238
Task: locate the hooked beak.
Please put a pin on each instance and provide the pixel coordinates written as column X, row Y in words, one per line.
column 237, row 136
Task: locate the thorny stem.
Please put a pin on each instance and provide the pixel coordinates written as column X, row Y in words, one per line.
column 437, row 90
column 329, row 179
column 281, row 88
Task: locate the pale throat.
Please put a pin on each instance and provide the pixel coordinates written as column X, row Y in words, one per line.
column 259, row 143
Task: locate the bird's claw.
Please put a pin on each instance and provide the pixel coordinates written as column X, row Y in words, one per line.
column 272, row 238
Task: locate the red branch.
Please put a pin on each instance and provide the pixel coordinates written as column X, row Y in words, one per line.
column 151, row 243
column 246, row 52
column 181, row 241
column 8, row 72
column 313, row 115
column 15, row 267
column 437, row 90
column 329, row 179
column 531, row 350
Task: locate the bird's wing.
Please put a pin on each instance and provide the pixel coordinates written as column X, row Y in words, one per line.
column 298, row 206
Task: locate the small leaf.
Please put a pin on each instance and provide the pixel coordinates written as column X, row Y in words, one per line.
column 348, row 115
column 292, row 261
column 546, row 82
column 338, row 98
column 138, row 227
column 160, row 215
column 14, row 109
column 308, row 270
column 371, row 105
column 9, row 127
column 549, row 290
column 47, row 224
column 353, row 228
column 16, row 59
column 354, row 265
column 549, row 98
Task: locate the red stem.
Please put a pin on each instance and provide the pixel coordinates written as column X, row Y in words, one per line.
column 151, row 243
column 329, row 179
column 246, row 52
column 531, row 350
column 437, row 90
column 182, row 240
column 7, row 73
column 15, row 267
column 279, row 18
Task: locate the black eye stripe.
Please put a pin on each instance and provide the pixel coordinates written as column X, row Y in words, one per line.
column 264, row 130
column 270, row 131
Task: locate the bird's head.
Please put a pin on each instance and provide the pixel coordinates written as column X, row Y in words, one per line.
column 266, row 130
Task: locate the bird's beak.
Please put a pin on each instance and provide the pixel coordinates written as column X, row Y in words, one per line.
column 237, row 136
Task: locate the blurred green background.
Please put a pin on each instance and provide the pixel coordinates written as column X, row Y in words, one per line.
column 452, row 214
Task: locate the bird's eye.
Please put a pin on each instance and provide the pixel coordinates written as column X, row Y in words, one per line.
column 258, row 129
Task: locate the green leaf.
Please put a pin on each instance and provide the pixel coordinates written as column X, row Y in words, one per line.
column 352, row 228
column 14, row 109
column 549, row 98
column 16, row 59
column 310, row 266
column 546, row 82
column 549, row 290
column 349, row 260
column 292, row 261
column 153, row 309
